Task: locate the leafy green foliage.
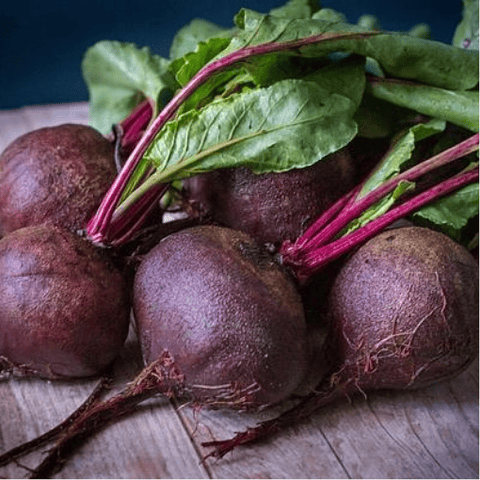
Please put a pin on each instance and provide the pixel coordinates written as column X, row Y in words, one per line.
column 191, row 35
column 457, row 107
column 296, row 9
column 119, row 75
column 293, row 123
column 400, row 154
column 395, row 161
column 466, row 33
column 452, row 214
column 292, row 107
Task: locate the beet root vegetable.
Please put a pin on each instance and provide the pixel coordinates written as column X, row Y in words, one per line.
column 228, row 315
column 418, row 291
column 271, row 207
column 403, row 313
column 54, row 174
column 64, row 307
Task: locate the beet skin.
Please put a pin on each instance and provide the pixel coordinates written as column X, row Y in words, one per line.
column 54, row 174
column 404, row 310
column 227, row 314
column 271, row 207
column 64, row 308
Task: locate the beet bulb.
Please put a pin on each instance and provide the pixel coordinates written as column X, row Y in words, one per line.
column 271, row 207
column 404, row 310
column 403, row 313
column 54, row 174
column 64, row 307
column 227, row 314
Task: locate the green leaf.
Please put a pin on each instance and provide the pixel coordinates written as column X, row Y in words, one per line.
column 291, row 124
column 412, row 58
column 451, row 214
column 379, row 208
column 118, row 76
column 196, row 31
column 399, row 55
column 185, row 67
column 458, row 107
column 296, row 9
column 330, row 15
column 346, row 77
column 466, row 33
column 400, row 154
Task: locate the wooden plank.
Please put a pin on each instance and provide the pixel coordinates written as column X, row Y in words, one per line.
column 430, row 433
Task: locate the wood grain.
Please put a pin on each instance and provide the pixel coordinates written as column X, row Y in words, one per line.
column 430, row 433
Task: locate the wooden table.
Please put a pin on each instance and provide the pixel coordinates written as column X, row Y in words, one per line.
column 431, row 433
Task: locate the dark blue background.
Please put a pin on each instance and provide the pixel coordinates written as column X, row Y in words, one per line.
column 42, row 42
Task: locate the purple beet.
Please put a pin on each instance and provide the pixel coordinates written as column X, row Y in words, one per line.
column 227, row 314
column 271, row 207
column 54, row 174
column 64, row 306
column 404, row 311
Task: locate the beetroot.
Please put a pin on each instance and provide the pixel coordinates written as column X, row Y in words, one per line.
column 228, row 315
column 54, row 174
column 271, row 207
column 404, row 310
column 403, row 313
column 64, row 307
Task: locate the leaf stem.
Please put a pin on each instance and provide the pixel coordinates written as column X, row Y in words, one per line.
column 52, row 434
column 312, row 260
column 319, row 235
column 161, row 377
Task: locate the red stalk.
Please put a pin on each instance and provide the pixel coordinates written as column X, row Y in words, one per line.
column 310, row 260
column 127, row 224
column 351, row 207
column 135, row 124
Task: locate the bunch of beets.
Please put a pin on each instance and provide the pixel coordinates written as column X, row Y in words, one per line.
column 222, row 299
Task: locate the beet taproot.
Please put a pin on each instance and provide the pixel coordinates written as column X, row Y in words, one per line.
column 54, row 174
column 226, row 312
column 271, row 207
column 64, row 306
column 404, row 310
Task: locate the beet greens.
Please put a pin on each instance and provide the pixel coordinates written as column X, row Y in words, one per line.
column 285, row 121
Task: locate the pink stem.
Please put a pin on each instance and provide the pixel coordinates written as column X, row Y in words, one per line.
column 313, row 260
column 355, row 209
column 314, row 230
column 136, row 123
column 123, row 227
column 148, row 206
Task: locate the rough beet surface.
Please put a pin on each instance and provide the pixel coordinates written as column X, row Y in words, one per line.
column 64, row 308
column 227, row 314
column 54, row 174
column 404, row 310
column 271, row 207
